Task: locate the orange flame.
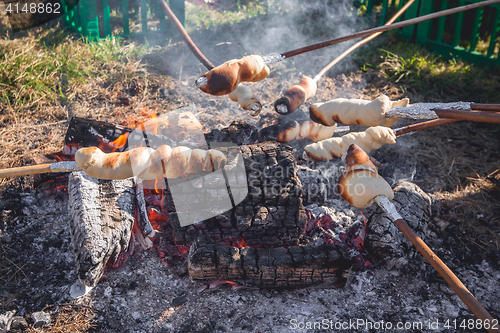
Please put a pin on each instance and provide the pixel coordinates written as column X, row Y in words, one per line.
column 109, row 147
column 240, row 244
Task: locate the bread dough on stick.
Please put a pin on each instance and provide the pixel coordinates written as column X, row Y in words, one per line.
column 224, row 79
column 372, row 138
column 244, row 96
column 360, row 184
column 296, row 95
column 356, row 111
column 292, row 130
column 147, row 163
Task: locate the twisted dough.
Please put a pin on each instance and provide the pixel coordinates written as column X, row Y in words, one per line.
column 296, row 95
column 356, row 111
column 292, row 130
column 244, row 96
column 148, row 163
column 224, row 79
column 361, row 183
column 371, row 139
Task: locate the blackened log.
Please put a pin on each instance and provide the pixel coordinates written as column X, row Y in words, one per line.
column 275, row 268
column 272, row 214
column 384, row 240
column 101, row 222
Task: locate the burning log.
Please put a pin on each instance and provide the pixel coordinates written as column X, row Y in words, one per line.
column 277, row 268
column 101, row 222
column 272, row 214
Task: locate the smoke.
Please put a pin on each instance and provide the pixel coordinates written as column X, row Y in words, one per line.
column 292, row 24
column 288, row 24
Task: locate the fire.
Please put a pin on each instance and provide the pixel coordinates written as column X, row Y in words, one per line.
column 57, row 189
column 241, row 244
column 217, row 283
column 144, row 113
column 109, row 147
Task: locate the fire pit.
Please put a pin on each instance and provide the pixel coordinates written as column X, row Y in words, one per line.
column 268, row 239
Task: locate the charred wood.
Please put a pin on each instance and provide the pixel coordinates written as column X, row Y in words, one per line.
column 276, row 268
column 101, row 222
column 272, row 213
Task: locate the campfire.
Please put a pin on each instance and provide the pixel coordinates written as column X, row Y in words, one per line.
column 272, row 235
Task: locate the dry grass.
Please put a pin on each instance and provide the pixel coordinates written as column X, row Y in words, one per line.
column 68, row 318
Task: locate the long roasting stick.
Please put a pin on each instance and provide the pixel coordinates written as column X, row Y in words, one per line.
column 208, row 65
column 453, row 281
column 68, row 166
column 443, row 121
column 363, row 41
column 293, row 99
column 279, row 57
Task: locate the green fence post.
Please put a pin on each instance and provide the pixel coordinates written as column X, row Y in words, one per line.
column 106, row 18
column 385, row 9
column 441, row 22
column 423, row 28
column 457, row 34
column 475, row 29
column 144, row 16
column 494, row 32
column 161, row 17
column 179, row 9
column 410, row 13
column 126, row 23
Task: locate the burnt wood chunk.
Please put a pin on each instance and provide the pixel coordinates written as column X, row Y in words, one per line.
column 101, row 222
column 272, row 213
column 384, row 240
column 276, row 268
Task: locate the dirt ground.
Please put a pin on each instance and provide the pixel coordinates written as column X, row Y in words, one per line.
column 458, row 164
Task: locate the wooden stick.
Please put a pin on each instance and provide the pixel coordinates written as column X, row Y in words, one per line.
column 423, row 125
column 361, row 42
column 477, row 116
column 208, row 65
column 453, row 281
column 385, row 28
column 485, row 107
column 41, row 168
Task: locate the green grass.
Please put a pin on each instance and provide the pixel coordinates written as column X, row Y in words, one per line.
column 198, row 17
column 432, row 77
column 34, row 73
